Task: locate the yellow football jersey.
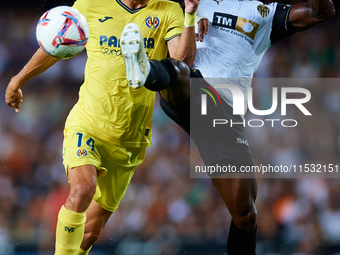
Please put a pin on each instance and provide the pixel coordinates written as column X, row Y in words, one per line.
column 107, row 106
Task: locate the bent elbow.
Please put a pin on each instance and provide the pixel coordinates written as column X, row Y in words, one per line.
column 190, row 63
column 188, row 60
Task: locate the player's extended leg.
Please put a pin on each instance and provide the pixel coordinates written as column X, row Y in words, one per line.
column 96, row 218
column 169, row 76
column 239, row 195
column 71, row 217
column 172, row 79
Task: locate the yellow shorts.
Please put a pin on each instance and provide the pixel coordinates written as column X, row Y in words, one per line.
column 115, row 164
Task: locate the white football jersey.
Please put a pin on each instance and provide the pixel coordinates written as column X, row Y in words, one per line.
column 239, row 35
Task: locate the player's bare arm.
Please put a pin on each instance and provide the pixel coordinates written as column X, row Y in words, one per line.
column 175, row 88
column 183, row 47
column 306, row 15
column 39, row 63
column 203, row 29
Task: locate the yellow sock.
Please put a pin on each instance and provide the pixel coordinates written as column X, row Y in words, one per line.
column 70, row 232
column 82, row 252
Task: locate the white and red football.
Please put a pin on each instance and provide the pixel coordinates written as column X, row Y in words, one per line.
column 62, row 32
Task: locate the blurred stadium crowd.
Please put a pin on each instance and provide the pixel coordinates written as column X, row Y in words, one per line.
column 164, row 211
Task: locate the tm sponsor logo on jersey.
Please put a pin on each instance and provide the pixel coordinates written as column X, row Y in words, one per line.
column 110, row 45
column 238, row 100
column 238, row 26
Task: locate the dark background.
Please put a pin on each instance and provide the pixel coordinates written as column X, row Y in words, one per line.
column 34, row 4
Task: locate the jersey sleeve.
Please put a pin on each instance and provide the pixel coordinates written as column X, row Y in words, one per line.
column 280, row 27
column 176, row 22
column 79, row 5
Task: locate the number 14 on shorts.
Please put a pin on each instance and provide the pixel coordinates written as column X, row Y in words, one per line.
column 89, row 142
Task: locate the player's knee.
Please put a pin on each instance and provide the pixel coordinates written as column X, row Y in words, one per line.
column 85, row 190
column 182, row 70
column 81, row 194
column 179, row 92
column 247, row 220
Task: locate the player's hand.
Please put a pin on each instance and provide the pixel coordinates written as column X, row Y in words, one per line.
column 13, row 96
column 203, row 29
column 191, row 6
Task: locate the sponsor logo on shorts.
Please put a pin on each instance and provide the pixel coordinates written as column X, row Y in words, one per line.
column 82, row 153
column 242, row 141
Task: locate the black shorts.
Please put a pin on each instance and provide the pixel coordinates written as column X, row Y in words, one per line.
column 221, row 143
